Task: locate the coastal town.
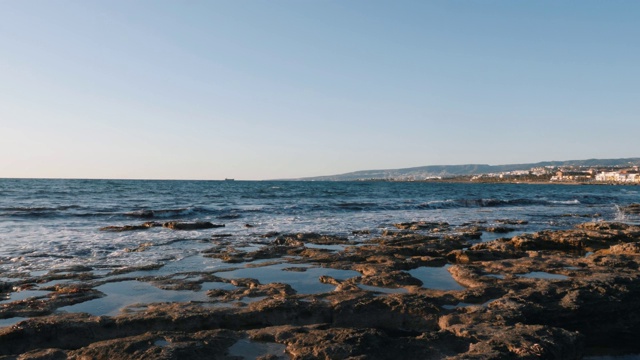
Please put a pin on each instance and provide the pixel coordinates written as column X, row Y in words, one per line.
column 603, row 175
column 566, row 174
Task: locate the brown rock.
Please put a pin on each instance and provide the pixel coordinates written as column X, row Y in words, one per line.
column 631, row 209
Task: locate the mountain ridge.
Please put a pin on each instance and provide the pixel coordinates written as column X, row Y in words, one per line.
column 433, row 171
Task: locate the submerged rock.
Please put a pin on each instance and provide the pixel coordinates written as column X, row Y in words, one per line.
column 144, row 226
column 174, row 225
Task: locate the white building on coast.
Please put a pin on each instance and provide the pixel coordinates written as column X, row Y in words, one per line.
column 618, row 177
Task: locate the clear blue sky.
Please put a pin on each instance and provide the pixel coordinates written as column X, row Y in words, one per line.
column 281, row 89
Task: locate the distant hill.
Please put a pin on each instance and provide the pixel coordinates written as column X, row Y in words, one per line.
column 424, row 172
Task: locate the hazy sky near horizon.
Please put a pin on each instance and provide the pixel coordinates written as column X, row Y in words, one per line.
column 283, row 89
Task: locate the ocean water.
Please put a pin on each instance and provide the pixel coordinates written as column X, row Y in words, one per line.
column 54, row 224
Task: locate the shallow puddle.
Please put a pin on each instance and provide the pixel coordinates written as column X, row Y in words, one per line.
column 543, row 275
column 11, row 321
column 497, row 276
column 437, row 278
column 247, row 349
column 305, row 282
column 123, row 293
column 161, row 343
column 326, row 247
column 214, row 285
column 383, row 290
column 23, row 295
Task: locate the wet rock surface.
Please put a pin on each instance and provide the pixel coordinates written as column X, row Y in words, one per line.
column 176, row 225
column 546, row 295
column 173, row 225
column 631, row 209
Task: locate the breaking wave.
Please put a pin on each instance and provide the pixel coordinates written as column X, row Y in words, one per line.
column 163, row 213
column 467, row 203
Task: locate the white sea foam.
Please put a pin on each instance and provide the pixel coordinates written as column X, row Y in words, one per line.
column 565, row 202
column 70, row 236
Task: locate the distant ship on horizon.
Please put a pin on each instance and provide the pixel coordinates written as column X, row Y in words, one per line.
column 227, row 179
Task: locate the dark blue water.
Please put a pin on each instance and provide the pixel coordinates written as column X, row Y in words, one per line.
column 46, row 224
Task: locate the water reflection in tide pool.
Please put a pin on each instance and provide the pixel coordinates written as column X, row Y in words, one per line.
column 247, row 349
column 303, row 282
column 23, row 295
column 383, row 290
column 11, row 321
column 543, row 275
column 437, row 278
column 123, row 293
column 326, row 247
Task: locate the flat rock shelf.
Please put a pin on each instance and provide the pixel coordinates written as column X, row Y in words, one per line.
column 426, row 292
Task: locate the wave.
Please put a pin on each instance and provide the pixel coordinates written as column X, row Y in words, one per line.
column 565, row 202
column 470, row 203
column 37, row 211
column 162, row 213
column 234, row 212
column 229, row 216
column 356, row 205
column 385, row 205
column 39, row 208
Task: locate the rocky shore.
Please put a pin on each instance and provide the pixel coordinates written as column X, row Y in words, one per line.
column 425, row 290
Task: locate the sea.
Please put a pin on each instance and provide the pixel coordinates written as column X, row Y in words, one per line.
column 49, row 224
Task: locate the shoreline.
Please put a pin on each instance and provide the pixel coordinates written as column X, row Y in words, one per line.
column 423, row 290
column 468, row 181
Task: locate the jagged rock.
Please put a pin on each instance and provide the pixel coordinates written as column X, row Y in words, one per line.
column 499, row 229
column 631, row 209
column 511, row 222
column 628, row 248
column 287, row 241
column 396, row 311
column 175, row 225
column 422, row 225
column 524, row 342
column 207, row 344
column 531, row 296
column 390, row 279
column 586, row 237
column 318, row 342
column 311, row 238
